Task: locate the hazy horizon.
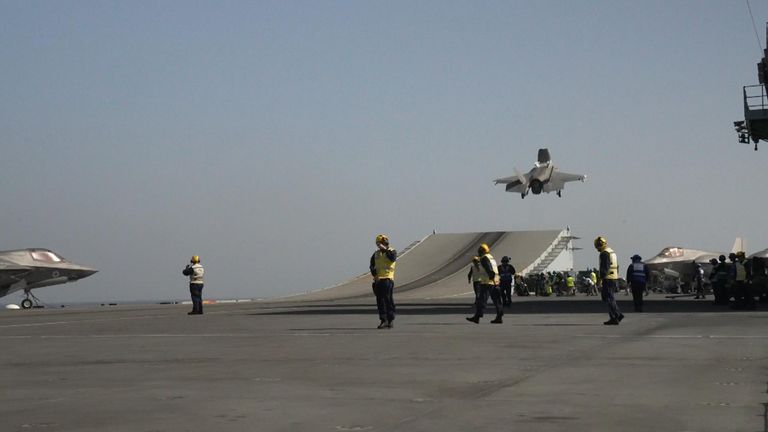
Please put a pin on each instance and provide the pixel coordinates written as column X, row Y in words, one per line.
column 276, row 139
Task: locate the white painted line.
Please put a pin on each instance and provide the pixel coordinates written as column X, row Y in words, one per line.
column 207, row 335
column 607, row 336
column 86, row 321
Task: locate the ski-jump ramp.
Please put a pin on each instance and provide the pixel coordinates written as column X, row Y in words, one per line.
column 437, row 266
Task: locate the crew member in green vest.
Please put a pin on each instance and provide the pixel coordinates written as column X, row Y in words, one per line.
column 383, row 263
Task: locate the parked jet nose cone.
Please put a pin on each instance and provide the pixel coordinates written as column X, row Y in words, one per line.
column 83, row 272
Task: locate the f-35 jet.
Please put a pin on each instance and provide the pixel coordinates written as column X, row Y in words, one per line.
column 26, row 269
column 544, row 177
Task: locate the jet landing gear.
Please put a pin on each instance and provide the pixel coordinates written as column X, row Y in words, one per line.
column 560, row 193
column 30, row 301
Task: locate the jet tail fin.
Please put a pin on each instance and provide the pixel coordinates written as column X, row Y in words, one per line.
column 544, row 156
column 738, row 245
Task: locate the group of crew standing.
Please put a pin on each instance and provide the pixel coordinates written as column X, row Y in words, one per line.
column 491, row 280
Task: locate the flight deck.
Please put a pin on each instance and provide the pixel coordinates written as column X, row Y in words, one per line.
column 552, row 366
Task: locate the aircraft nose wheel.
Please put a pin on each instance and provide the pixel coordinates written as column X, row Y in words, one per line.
column 31, row 301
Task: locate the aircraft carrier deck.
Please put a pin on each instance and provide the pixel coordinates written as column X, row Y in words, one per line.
column 552, row 366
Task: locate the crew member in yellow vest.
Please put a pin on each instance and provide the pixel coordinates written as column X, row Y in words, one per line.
column 609, row 276
column 489, row 285
column 195, row 271
column 383, row 263
column 742, row 297
column 570, row 284
column 473, row 276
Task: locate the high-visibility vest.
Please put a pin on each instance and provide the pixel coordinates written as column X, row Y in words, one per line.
column 196, row 277
column 638, row 273
column 613, row 267
column 484, row 278
column 569, row 282
column 477, row 271
column 385, row 268
column 593, row 278
column 741, row 272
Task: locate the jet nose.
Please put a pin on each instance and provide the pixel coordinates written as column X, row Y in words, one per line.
column 83, row 272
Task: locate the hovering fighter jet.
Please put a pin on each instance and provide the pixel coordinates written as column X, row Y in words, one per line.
column 544, row 177
column 26, row 269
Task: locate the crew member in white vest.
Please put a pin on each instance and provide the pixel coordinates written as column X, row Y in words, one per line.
column 195, row 271
column 637, row 278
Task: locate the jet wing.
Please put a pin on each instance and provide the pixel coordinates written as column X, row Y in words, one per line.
column 563, row 177
column 507, row 180
column 513, row 184
column 558, row 180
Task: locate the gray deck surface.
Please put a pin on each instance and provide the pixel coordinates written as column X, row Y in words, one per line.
column 552, row 366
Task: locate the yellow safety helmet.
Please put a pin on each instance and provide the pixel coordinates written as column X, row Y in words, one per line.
column 483, row 249
column 195, row 259
column 382, row 239
column 600, row 243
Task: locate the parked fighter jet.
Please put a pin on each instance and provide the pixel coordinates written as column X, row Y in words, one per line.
column 682, row 261
column 544, row 177
column 26, row 269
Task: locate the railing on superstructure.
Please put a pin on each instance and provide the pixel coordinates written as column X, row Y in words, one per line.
column 558, row 245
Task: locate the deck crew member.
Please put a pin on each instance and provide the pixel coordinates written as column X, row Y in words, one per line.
column 383, row 263
column 473, row 276
column 506, row 280
column 637, row 277
column 489, row 281
column 609, row 275
column 195, row 271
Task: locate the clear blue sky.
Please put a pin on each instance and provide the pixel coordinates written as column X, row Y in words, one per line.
column 276, row 139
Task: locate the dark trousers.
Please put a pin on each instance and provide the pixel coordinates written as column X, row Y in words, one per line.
column 606, row 293
column 742, row 295
column 196, row 292
column 506, row 292
column 721, row 295
column 482, row 299
column 476, row 287
column 385, row 302
column 700, row 288
column 637, row 295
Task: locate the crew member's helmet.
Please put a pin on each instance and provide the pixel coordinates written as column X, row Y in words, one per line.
column 636, row 258
column 713, row 261
column 382, row 239
column 731, row 256
column 195, row 259
column 483, row 249
column 721, row 258
column 475, row 260
column 600, row 243
column 505, row 259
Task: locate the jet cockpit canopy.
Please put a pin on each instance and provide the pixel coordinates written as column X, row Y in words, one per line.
column 44, row 255
column 672, row 252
